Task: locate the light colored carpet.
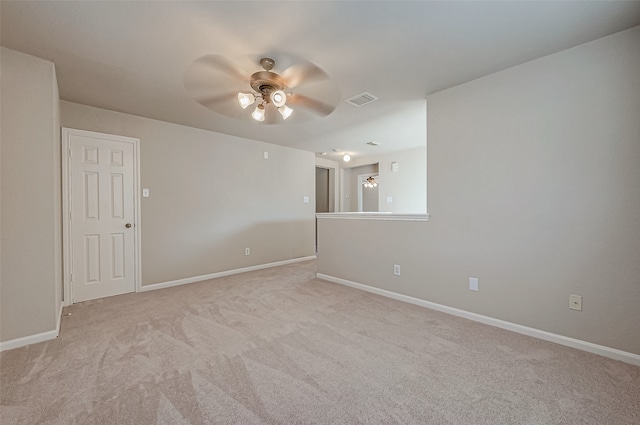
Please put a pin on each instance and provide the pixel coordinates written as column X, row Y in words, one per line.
column 278, row 346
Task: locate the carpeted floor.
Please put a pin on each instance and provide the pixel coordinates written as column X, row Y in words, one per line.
column 278, row 346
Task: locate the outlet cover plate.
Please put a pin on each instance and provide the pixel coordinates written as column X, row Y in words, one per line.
column 575, row 302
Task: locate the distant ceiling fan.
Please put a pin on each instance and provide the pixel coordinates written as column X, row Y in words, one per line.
column 221, row 86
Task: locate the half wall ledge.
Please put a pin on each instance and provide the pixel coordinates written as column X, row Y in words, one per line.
column 381, row 216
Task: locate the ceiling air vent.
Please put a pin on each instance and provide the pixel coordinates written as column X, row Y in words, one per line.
column 373, row 143
column 361, row 99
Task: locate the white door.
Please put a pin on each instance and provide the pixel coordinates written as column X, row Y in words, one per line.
column 101, row 195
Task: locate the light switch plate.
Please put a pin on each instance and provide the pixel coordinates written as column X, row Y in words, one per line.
column 473, row 283
column 145, row 193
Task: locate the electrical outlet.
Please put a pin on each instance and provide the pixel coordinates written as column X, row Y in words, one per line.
column 575, row 302
column 473, row 283
column 247, row 251
column 396, row 269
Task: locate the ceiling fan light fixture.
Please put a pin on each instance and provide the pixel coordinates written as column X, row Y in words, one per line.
column 246, row 99
column 285, row 111
column 370, row 182
column 278, row 98
column 258, row 114
column 215, row 82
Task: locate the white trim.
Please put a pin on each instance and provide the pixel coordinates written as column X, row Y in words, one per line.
column 59, row 321
column 66, row 230
column 28, row 340
column 137, row 234
column 33, row 339
column 194, row 279
column 601, row 350
column 66, row 206
column 380, row 216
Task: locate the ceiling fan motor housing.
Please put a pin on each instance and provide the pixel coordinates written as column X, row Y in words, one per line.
column 265, row 82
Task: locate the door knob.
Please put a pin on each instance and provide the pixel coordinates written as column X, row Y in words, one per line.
column 127, row 225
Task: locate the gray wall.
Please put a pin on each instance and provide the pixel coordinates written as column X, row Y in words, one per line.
column 407, row 187
column 352, row 187
column 534, row 188
column 30, row 251
column 370, row 199
column 212, row 196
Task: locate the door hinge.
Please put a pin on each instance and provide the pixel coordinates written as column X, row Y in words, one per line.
column 70, row 153
column 71, row 277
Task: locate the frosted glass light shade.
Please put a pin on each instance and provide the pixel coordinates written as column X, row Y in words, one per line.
column 258, row 114
column 285, row 111
column 278, row 98
column 246, row 99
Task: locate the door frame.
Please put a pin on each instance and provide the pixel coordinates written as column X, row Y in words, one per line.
column 66, row 205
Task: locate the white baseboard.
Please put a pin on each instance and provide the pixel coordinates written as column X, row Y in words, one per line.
column 178, row 282
column 33, row 339
column 601, row 350
column 59, row 318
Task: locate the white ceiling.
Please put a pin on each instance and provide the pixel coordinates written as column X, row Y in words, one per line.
column 132, row 56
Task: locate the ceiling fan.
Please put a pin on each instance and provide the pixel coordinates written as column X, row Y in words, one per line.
column 299, row 92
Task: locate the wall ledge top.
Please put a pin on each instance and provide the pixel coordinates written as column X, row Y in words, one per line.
column 380, row 216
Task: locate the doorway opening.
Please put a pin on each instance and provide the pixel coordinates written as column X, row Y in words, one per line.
column 325, row 193
column 367, row 196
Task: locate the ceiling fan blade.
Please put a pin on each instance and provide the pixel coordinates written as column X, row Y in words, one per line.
column 303, row 73
column 212, row 102
column 213, row 75
column 217, row 63
column 317, row 107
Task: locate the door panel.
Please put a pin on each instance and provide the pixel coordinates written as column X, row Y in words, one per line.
column 102, row 203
